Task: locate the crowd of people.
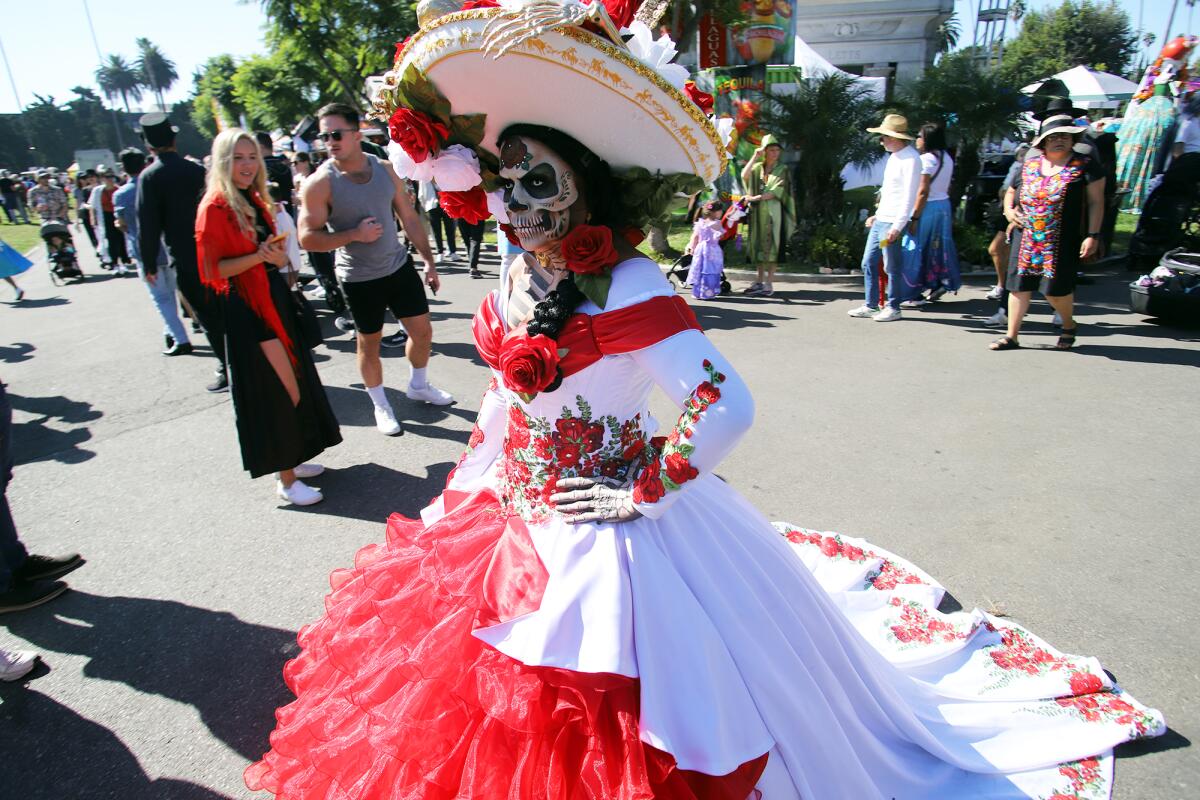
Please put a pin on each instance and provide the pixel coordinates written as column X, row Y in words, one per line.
column 524, row 638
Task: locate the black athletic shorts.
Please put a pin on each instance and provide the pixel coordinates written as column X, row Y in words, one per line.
column 402, row 292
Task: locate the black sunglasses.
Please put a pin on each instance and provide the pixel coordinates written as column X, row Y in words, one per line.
column 335, row 135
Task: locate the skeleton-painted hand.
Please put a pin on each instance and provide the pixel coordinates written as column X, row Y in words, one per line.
column 511, row 28
column 589, row 500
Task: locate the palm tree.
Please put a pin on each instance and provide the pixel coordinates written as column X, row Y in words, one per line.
column 156, row 71
column 118, row 79
column 947, row 34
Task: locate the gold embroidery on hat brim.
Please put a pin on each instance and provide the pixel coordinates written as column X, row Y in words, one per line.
column 428, row 39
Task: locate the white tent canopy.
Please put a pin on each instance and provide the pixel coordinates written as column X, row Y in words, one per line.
column 1086, row 85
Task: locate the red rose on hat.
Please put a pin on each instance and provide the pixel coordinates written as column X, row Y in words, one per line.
column 529, row 363
column 702, row 99
column 470, row 206
column 588, row 249
column 419, row 134
column 473, row 4
column 510, row 234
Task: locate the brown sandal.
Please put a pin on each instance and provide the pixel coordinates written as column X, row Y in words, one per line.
column 1004, row 343
column 1066, row 339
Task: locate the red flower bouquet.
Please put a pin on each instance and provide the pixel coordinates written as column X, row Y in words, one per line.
column 470, row 206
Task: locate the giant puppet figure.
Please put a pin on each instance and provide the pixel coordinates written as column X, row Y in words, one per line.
column 587, row 610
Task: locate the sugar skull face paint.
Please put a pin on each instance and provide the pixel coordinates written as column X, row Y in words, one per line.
column 540, row 190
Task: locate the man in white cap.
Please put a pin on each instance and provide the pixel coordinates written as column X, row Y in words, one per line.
column 897, row 197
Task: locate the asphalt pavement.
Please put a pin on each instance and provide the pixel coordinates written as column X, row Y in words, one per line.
column 1052, row 487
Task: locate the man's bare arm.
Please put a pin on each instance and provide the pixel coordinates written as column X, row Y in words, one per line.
column 314, row 213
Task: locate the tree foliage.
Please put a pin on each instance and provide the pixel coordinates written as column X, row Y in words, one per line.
column 155, row 71
column 117, row 78
column 214, row 97
column 826, row 117
column 1094, row 34
column 273, row 94
column 335, row 45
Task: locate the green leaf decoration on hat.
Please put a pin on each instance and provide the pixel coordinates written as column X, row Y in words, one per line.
column 595, row 286
column 466, row 129
column 646, row 195
column 416, row 91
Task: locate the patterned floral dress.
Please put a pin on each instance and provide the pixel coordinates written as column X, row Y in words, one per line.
column 493, row 650
column 1045, row 254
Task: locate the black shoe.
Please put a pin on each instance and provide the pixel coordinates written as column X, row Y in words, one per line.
column 28, row 595
column 43, row 568
column 196, row 327
column 168, row 341
column 397, row 339
column 179, row 349
column 220, row 385
column 476, row 273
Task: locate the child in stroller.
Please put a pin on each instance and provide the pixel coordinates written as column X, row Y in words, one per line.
column 60, row 252
column 686, row 271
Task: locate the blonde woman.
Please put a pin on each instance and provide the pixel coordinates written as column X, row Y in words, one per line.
column 283, row 416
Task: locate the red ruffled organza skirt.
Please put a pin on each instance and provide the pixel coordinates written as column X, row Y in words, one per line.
column 396, row 699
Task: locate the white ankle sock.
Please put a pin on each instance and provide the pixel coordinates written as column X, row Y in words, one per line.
column 416, row 377
column 378, row 396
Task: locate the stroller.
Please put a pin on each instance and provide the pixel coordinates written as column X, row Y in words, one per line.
column 60, row 252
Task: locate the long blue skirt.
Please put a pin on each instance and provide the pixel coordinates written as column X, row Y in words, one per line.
column 933, row 263
column 11, row 262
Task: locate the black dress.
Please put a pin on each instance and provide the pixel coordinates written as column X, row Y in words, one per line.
column 1074, row 228
column 274, row 435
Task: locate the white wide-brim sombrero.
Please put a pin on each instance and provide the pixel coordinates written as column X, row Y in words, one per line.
column 613, row 103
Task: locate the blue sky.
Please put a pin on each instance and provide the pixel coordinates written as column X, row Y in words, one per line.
column 50, row 49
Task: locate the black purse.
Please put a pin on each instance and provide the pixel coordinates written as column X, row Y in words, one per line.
column 306, row 320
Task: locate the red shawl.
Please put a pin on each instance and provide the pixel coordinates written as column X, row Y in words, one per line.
column 219, row 236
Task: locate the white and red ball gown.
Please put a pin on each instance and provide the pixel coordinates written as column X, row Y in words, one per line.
column 491, row 650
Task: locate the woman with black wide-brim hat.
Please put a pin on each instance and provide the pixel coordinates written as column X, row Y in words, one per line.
column 1055, row 210
column 587, row 610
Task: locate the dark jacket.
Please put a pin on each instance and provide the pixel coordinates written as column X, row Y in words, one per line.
column 169, row 192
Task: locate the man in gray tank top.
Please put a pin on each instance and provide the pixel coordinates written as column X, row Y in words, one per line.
column 350, row 204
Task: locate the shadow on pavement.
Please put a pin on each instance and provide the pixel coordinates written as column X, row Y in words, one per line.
column 1171, row 740
column 352, row 407
column 230, row 671
column 100, row 765
column 16, row 352
column 372, row 492
column 41, row 302
column 34, row 440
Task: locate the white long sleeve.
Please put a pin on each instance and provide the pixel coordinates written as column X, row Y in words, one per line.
column 717, row 411
column 898, row 195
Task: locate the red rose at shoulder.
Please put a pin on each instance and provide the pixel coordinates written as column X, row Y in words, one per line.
column 419, row 134
column 1086, row 683
column 588, row 249
column 702, row 99
column 679, row 469
column 510, row 234
column 469, row 206
column 529, row 363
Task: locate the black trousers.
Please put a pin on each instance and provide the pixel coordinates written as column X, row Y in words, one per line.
column 473, row 238
column 117, row 251
column 438, row 220
column 86, row 218
column 205, row 304
column 322, row 264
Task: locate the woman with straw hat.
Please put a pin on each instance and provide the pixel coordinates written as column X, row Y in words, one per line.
column 587, row 611
column 1055, row 209
column 768, row 185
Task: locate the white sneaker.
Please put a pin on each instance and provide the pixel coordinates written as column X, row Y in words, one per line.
column 386, row 422
column 863, row 312
column 429, row 394
column 996, row 293
column 1057, row 321
column 997, row 320
column 915, row 303
column 754, row 287
column 308, row 470
column 299, row 493
column 317, row 293
column 16, row 664
column 888, row 314
column 343, row 323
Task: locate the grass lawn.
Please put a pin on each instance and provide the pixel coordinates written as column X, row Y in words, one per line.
column 1126, row 225
column 21, row 238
